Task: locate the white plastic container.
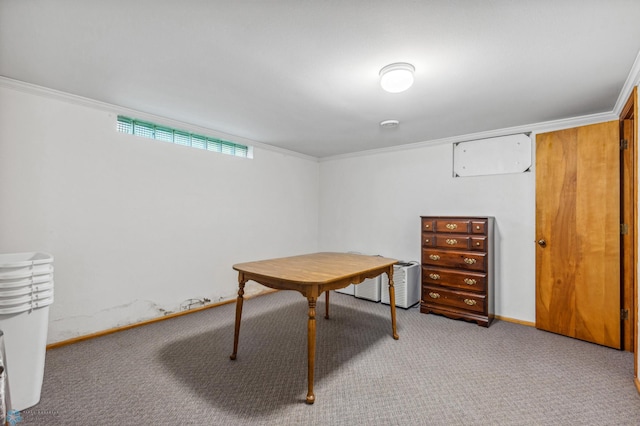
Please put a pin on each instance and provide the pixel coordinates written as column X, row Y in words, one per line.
column 25, row 341
column 17, row 265
column 26, row 291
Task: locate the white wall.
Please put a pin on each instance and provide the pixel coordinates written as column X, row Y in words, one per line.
column 372, row 203
column 138, row 226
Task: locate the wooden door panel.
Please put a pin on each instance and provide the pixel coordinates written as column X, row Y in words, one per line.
column 598, row 212
column 556, row 180
column 578, row 215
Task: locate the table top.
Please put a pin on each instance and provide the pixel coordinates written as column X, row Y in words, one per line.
column 315, row 268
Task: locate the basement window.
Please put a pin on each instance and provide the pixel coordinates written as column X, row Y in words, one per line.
column 158, row 132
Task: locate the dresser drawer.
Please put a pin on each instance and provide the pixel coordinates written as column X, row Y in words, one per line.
column 479, row 227
column 478, row 243
column 428, row 225
column 458, row 242
column 457, row 299
column 475, row 261
column 428, row 240
column 460, row 226
column 468, row 281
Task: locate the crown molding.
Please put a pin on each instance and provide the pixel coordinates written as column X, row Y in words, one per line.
column 34, row 89
column 547, row 126
column 633, row 79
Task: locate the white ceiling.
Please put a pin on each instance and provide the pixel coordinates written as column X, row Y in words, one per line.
column 303, row 75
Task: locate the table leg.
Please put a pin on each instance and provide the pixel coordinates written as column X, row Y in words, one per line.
column 239, row 300
column 311, row 348
column 326, row 304
column 392, row 302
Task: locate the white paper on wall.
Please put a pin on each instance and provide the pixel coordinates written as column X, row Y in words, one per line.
column 492, row 156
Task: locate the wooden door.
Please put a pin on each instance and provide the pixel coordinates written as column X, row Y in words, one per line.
column 578, row 233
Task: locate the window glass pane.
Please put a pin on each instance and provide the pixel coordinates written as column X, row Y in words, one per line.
column 143, row 129
column 164, row 134
column 182, row 138
column 198, row 141
column 241, row 151
column 214, row 145
column 227, row 148
column 125, row 125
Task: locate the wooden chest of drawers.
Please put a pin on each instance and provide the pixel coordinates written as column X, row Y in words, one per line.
column 457, row 267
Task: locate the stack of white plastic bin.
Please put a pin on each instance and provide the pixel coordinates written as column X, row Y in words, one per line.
column 26, row 291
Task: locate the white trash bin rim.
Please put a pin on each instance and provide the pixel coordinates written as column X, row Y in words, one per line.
column 10, row 283
column 27, row 289
column 25, row 272
column 15, row 260
column 26, row 307
column 22, row 265
column 25, row 299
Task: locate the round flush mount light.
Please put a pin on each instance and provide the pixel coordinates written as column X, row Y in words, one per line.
column 396, row 78
column 389, row 124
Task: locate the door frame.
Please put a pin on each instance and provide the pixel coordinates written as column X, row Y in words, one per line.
column 629, row 183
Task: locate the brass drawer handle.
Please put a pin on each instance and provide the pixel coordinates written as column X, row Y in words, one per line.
column 434, row 276
column 434, row 257
column 434, row 295
column 451, row 225
column 451, row 241
column 427, row 226
column 427, row 241
column 469, row 261
column 470, row 281
column 470, row 302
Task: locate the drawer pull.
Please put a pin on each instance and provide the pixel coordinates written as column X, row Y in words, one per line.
column 469, row 261
column 427, row 241
column 434, row 295
column 434, row 276
column 434, row 257
column 451, row 225
column 427, row 226
column 470, row 281
column 478, row 244
column 470, row 302
column 451, row 241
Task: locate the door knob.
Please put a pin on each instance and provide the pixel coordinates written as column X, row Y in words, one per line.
column 542, row 243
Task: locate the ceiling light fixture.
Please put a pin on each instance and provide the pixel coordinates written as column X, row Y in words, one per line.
column 389, row 124
column 396, row 78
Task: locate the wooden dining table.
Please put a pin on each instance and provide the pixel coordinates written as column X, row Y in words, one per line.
column 312, row 275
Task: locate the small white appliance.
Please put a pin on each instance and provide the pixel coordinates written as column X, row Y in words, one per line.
column 369, row 289
column 347, row 290
column 406, row 282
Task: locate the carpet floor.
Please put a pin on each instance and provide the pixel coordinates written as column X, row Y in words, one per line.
column 440, row 372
